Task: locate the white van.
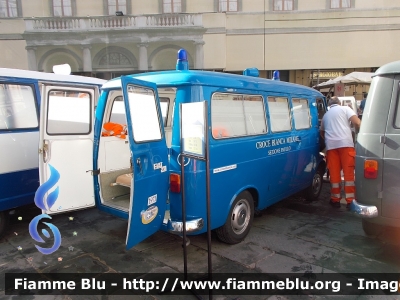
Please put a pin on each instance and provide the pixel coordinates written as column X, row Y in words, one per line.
column 349, row 101
column 378, row 153
column 20, row 94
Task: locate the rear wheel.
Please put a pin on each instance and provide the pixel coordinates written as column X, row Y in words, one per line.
column 239, row 220
column 313, row 191
column 370, row 228
column 3, row 223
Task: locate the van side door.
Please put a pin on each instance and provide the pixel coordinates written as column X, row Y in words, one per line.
column 283, row 151
column 306, row 132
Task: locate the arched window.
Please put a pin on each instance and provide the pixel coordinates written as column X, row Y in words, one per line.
column 114, row 59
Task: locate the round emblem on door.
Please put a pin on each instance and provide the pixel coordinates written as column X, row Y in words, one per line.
column 149, row 214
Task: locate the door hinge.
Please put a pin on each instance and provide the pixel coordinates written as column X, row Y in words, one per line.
column 380, row 195
column 382, row 139
column 94, row 172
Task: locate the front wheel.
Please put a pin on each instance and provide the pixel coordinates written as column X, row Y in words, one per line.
column 239, row 220
column 313, row 191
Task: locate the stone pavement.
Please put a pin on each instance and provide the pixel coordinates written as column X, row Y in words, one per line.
column 292, row 236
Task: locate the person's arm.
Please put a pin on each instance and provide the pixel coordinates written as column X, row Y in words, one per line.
column 322, row 129
column 356, row 122
column 322, row 133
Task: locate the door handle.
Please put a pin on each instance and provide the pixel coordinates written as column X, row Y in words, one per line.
column 139, row 164
column 45, row 151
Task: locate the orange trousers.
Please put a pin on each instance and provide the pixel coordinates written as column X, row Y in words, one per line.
column 337, row 160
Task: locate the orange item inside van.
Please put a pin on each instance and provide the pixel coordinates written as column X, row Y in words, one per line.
column 114, row 129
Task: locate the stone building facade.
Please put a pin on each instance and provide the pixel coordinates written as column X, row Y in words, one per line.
column 308, row 41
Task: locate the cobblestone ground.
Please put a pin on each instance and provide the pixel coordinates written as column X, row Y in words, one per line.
column 293, row 236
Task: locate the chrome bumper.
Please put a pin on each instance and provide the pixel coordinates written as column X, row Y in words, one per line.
column 364, row 211
column 191, row 226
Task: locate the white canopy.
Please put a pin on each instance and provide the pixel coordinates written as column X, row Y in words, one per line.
column 349, row 79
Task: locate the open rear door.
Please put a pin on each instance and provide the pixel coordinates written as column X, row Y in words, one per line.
column 66, row 149
column 149, row 153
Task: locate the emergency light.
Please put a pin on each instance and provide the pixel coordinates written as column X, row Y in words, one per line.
column 182, row 61
column 251, row 72
column 275, row 75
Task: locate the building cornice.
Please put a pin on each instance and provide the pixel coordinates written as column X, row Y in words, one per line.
column 317, row 11
column 11, row 36
column 296, row 30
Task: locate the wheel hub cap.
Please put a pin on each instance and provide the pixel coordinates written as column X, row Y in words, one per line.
column 240, row 217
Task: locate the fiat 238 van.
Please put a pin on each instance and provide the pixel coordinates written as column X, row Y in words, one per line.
column 263, row 139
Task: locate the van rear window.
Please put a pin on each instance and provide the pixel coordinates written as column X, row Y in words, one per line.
column 17, row 107
column 235, row 115
column 118, row 114
column 68, row 112
column 144, row 114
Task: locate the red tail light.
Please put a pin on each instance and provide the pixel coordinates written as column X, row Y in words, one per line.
column 175, row 182
column 370, row 169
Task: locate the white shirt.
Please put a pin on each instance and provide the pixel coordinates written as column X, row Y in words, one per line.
column 337, row 128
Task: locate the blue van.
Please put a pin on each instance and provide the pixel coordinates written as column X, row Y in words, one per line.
column 263, row 145
column 19, row 133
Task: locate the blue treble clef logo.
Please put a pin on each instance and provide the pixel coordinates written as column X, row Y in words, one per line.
column 41, row 203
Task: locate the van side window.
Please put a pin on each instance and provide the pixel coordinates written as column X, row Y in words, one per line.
column 279, row 114
column 17, row 107
column 69, row 113
column 164, row 103
column 301, row 113
column 234, row 115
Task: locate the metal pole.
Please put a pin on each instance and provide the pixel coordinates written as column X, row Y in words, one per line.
column 207, row 155
column 183, row 207
column 206, row 158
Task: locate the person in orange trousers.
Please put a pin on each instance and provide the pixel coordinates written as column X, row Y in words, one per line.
column 340, row 154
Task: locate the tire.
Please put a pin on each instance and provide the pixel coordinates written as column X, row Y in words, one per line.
column 371, row 229
column 3, row 222
column 314, row 190
column 239, row 220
